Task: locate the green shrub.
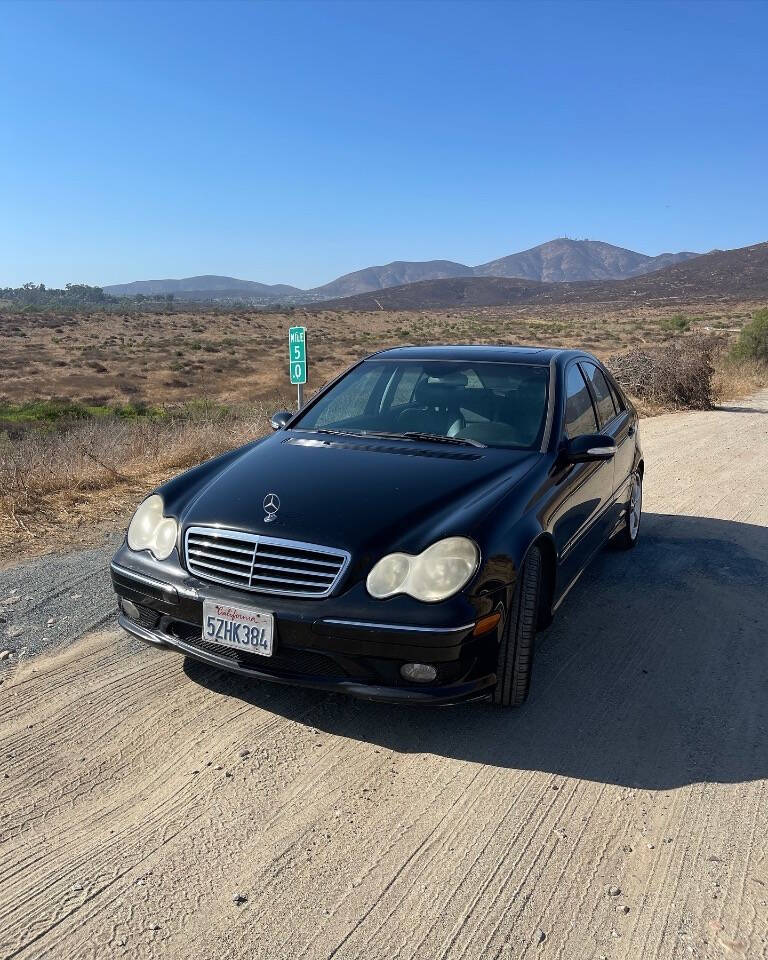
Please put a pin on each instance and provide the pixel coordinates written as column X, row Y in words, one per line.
column 677, row 323
column 753, row 339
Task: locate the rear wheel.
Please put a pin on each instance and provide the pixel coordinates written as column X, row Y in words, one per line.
column 626, row 539
column 513, row 672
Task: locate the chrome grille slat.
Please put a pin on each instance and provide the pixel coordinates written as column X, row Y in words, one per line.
column 249, row 561
column 213, row 545
column 280, row 556
column 215, row 556
column 287, row 580
column 307, row 573
column 235, row 573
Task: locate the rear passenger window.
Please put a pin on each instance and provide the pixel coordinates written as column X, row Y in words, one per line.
column 617, row 400
column 579, row 412
column 602, row 391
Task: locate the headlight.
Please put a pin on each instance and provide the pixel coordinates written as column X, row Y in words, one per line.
column 436, row 574
column 150, row 530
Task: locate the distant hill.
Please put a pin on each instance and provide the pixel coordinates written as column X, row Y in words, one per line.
column 391, row 275
column 207, row 287
column 663, row 260
column 560, row 260
column 565, row 260
column 436, row 294
column 723, row 273
column 742, row 272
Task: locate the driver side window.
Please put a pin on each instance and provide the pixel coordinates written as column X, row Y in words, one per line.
column 579, row 412
column 350, row 399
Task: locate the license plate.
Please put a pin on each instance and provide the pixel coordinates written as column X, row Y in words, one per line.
column 244, row 628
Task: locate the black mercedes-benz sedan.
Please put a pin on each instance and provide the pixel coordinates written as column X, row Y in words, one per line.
column 403, row 536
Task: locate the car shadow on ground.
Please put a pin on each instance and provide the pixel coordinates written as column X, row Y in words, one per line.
column 731, row 409
column 653, row 675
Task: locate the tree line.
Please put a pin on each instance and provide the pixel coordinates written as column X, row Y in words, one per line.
column 36, row 296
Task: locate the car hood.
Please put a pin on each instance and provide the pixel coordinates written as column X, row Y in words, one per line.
column 356, row 493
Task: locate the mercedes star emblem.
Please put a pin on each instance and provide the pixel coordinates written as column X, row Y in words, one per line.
column 271, row 506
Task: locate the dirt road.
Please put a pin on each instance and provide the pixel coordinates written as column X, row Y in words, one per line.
column 142, row 796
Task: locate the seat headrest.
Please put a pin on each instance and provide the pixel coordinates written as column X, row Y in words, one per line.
column 440, row 393
column 453, row 379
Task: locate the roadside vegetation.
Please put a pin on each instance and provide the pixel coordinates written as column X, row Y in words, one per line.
column 86, row 475
column 675, row 375
column 696, row 370
column 61, row 414
column 752, row 344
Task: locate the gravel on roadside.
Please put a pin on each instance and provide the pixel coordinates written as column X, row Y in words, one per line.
column 51, row 601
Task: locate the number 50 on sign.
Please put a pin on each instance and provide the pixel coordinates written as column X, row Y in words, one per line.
column 297, row 347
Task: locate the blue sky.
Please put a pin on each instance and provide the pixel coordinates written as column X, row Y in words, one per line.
column 292, row 142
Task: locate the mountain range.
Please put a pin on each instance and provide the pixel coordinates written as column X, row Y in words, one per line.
column 559, row 261
column 742, row 272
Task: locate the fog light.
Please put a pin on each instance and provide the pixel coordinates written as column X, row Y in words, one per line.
column 130, row 609
column 418, row 672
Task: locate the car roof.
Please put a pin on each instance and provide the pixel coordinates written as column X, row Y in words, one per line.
column 479, row 353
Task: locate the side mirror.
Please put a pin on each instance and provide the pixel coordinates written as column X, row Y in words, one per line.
column 591, row 446
column 278, row 420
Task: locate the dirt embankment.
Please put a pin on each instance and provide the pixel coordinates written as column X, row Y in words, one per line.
column 156, row 808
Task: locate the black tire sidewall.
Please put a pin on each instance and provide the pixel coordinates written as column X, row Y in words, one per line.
column 513, row 674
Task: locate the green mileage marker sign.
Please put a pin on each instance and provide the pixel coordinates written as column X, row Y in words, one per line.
column 297, row 353
column 297, row 344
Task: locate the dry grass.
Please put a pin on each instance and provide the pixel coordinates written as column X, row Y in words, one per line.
column 737, row 378
column 242, row 357
column 77, row 482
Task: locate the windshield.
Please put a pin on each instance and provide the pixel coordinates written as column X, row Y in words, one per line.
column 488, row 404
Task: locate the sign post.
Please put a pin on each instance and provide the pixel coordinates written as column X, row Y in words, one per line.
column 297, row 354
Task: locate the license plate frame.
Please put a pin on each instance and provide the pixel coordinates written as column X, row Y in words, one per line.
column 237, row 627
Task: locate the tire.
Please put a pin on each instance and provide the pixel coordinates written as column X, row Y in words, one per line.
column 627, row 537
column 513, row 672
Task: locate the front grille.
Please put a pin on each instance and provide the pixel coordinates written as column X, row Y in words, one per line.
column 286, row 660
column 264, row 564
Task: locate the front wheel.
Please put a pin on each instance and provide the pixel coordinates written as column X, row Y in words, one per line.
column 626, row 539
column 513, row 672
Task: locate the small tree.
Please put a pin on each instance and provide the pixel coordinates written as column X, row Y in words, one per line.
column 677, row 323
column 753, row 339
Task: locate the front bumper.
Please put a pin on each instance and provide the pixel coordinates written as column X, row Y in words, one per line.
column 316, row 645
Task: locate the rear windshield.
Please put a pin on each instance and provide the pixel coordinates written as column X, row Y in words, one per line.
column 494, row 404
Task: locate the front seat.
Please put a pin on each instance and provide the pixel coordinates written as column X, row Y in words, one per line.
column 436, row 409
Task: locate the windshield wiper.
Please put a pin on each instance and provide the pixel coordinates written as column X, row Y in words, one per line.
column 408, row 435
column 441, row 438
column 419, row 435
column 333, row 433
